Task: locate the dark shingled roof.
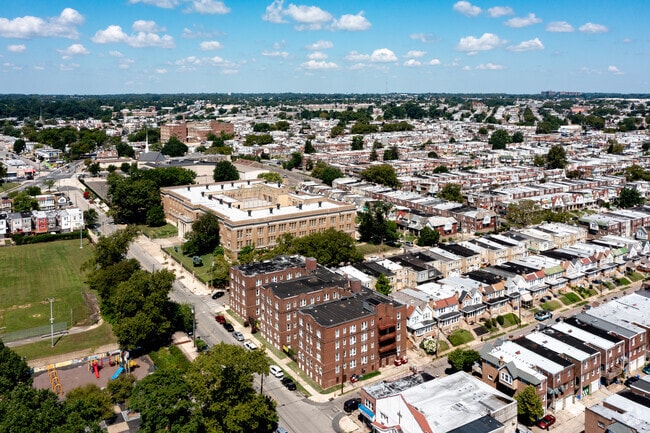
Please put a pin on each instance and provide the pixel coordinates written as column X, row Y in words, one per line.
column 343, row 310
column 485, row 424
column 543, row 351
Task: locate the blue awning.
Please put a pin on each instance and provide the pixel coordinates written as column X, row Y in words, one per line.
column 366, row 412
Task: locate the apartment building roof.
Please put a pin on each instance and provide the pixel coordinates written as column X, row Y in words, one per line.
column 275, row 264
column 518, row 365
column 484, row 277
column 319, row 279
column 627, row 330
column 569, row 340
column 358, row 305
column 541, row 356
column 457, row 249
column 630, row 414
column 589, row 337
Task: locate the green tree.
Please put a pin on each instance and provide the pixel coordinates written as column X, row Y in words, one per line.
column 112, row 249
column 556, row 157
column 326, row 173
column 499, row 139
column 629, row 197
column 383, row 285
column 13, row 370
column 124, row 149
column 309, row 147
column 90, row 217
column 539, row 161
column 19, row 146
column 441, row 169
column 165, row 404
column 357, row 142
column 174, row 147
column 23, row 202
column 374, row 225
column 121, row 388
column 125, row 167
column 204, row 237
column 294, row 162
column 517, row 137
column 247, row 254
column 90, row 402
column 391, row 154
column 131, row 198
column 373, row 155
column 451, row 192
column 383, row 174
column 221, row 383
column 614, row 147
column 3, row 173
column 529, row 406
column 524, row 213
column 94, row 168
column 428, row 237
column 156, row 216
column 330, row 247
column 463, row 359
column 271, row 177
column 225, row 171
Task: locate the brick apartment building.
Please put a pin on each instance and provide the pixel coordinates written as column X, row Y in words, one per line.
column 194, row 132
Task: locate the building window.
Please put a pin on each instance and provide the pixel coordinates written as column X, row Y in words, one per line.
column 505, row 377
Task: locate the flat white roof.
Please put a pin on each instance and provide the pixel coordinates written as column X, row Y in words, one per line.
column 532, row 357
column 583, row 335
column 557, row 345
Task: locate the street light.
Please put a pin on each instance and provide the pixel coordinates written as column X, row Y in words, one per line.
column 193, row 326
column 51, row 321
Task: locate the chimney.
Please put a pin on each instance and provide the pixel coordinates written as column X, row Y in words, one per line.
column 355, row 285
column 229, row 205
column 249, row 213
column 248, row 182
column 206, row 187
column 501, row 361
column 270, row 210
column 300, row 206
column 188, row 188
column 232, row 184
column 279, row 185
column 278, row 205
column 310, row 264
column 202, row 193
column 221, row 186
column 320, row 203
column 220, row 201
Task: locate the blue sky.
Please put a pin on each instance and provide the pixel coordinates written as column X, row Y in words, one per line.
column 372, row 46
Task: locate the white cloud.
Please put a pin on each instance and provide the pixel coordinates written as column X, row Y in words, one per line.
column 559, row 27
column 412, row 63
column 146, row 26
column 614, row 70
column 317, row 55
column 383, row 55
column 165, row 4
column 161, row 71
column 320, row 45
column 466, row 8
column 17, row 48
column 39, row 68
column 422, row 37
column 210, row 45
column 115, row 53
column 195, row 34
column 434, row 62
column 471, row 44
column 274, row 12
column 73, row 50
column 518, row 22
column 466, row 68
column 500, row 11
column 114, row 34
column 68, row 67
column 125, row 63
column 208, row 7
column 414, row 54
column 351, row 23
column 316, row 65
column 489, row 67
column 531, row 45
column 357, row 66
column 593, row 28
column 309, row 17
column 63, row 26
column 282, row 54
column 355, row 56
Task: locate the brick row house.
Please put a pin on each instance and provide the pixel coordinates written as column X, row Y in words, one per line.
column 40, row 222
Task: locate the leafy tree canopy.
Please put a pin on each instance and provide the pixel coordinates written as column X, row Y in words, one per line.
column 204, row 237
column 374, row 225
column 451, row 192
column 499, row 139
column 383, row 174
column 383, row 285
column 529, row 406
column 428, row 237
column 270, row 176
column 225, row 171
column 174, row 147
column 463, row 359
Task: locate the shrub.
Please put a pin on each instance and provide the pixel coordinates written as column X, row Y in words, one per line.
column 429, row 345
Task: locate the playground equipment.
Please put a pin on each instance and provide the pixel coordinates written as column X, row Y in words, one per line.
column 95, row 363
column 55, row 383
column 96, row 368
column 122, row 360
column 117, row 373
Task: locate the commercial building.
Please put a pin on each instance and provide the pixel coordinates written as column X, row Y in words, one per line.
column 255, row 212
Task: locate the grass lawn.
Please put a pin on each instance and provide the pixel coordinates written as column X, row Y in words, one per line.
column 460, row 336
column 170, row 357
column 166, row 231
column 366, row 249
column 203, row 273
column 622, row 281
column 68, row 343
column 570, row 298
column 33, row 273
column 6, row 186
column 551, row 305
column 507, row 320
column 442, row 346
column 635, row 276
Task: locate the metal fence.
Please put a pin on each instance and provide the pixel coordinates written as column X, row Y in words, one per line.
column 40, row 331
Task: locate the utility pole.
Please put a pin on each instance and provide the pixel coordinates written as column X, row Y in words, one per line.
column 51, row 321
column 193, row 326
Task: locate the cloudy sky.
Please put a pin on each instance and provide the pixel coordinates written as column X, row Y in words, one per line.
column 369, row 46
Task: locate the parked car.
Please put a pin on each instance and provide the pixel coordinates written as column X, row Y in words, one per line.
column 646, row 369
column 281, row 430
column 250, row 345
column 543, row 315
column 217, row 295
column 220, row 319
column 238, row 336
column 289, row 384
column 351, row 405
column 546, row 422
column 276, row 371
column 630, row 380
column 228, row 327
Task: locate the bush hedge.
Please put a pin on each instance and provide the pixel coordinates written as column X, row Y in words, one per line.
column 21, row 239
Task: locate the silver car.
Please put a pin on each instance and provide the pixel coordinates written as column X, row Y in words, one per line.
column 238, row 336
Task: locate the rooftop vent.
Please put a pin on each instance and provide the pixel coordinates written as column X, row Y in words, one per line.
column 249, row 212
